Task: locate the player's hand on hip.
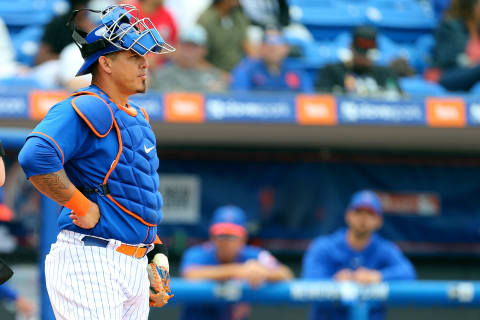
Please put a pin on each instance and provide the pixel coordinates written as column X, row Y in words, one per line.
column 89, row 220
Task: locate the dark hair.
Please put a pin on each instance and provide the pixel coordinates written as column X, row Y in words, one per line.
column 462, row 9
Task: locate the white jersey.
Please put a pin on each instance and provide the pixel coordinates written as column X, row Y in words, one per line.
column 90, row 282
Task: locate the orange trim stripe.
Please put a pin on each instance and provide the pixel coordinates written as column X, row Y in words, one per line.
column 88, row 122
column 146, row 237
column 145, row 114
column 43, row 134
column 131, row 111
column 131, row 213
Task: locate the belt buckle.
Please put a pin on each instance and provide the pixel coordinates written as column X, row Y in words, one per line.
column 136, row 251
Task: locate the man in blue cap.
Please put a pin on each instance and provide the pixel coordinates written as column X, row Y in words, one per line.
column 356, row 254
column 226, row 256
column 94, row 153
column 271, row 71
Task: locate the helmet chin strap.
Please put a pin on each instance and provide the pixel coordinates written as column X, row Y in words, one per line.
column 79, row 35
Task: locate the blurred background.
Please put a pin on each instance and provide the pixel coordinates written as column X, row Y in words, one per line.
column 284, row 108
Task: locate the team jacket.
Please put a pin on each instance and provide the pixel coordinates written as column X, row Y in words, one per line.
column 109, row 153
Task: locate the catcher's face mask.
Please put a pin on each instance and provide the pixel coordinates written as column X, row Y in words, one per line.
column 120, row 29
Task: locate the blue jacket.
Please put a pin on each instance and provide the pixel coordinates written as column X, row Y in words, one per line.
column 328, row 254
column 253, row 75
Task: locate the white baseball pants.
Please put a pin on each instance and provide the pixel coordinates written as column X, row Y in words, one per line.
column 89, row 282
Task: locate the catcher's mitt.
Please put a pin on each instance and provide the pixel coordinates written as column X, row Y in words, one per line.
column 159, row 285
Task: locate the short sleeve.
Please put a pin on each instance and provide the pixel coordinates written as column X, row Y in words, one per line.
column 194, row 256
column 63, row 129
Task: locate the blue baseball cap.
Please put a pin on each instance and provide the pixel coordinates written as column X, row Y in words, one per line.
column 229, row 220
column 366, row 199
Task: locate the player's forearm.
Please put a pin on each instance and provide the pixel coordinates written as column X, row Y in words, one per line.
column 281, row 273
column 54, row 185
column 218, row 273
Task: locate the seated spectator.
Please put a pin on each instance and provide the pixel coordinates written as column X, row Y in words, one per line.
column 160, row 17
column 271, row 72
column 227, row 257
column 57, row 35
column 355, row 254
column 188, row 71
column 226, row 27
column 457, row 47
column 358, row 74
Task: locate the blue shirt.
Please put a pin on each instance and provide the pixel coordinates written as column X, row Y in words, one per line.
column 253, row 75
column 206, row 255
column 62, row 140
column 328, row 254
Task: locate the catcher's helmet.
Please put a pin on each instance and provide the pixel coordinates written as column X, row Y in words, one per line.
column 120, row 29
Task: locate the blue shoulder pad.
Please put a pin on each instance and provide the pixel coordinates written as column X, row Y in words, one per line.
column 96, row 113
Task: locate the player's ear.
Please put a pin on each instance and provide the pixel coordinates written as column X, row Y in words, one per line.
column 105, row 64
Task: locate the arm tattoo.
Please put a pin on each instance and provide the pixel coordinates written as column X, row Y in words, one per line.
column 54, row 185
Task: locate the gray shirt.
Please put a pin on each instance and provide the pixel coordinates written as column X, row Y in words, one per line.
column 173, row 78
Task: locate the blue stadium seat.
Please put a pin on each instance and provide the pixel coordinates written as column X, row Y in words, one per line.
column 26, row 44
column 401, row 20
column 417, row 86
column 30, row 12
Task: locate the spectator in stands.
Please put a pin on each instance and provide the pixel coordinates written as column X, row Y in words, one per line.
column 356, row 254
column 227, row 257
column 457, row 51
column 23, row 306
column 271, row 72
column 186, row 12
column 188, row 70
column 226, row 26
column 57, row 35
column 359, row 75
column 160, row 17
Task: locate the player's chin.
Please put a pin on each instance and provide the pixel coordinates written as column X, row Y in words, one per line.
column 142, row 87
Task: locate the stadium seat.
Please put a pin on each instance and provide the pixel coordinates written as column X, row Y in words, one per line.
column 26, row 44
column 30, row 12
column 417, row 86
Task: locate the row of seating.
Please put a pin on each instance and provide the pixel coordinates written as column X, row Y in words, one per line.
column 401, row 20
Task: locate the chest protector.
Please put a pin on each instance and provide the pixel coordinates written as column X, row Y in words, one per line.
column 131, row 182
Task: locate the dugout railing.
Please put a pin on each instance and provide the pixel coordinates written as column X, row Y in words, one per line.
column 357, row 298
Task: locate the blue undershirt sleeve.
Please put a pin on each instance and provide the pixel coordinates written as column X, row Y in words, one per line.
column 61, row 131
column 39, row 157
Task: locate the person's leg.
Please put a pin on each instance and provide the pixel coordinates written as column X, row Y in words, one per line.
column 461, row 79
column 83, row 281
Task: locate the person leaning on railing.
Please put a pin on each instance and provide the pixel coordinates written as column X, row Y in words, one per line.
column 356, row 254
column 227, row 257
